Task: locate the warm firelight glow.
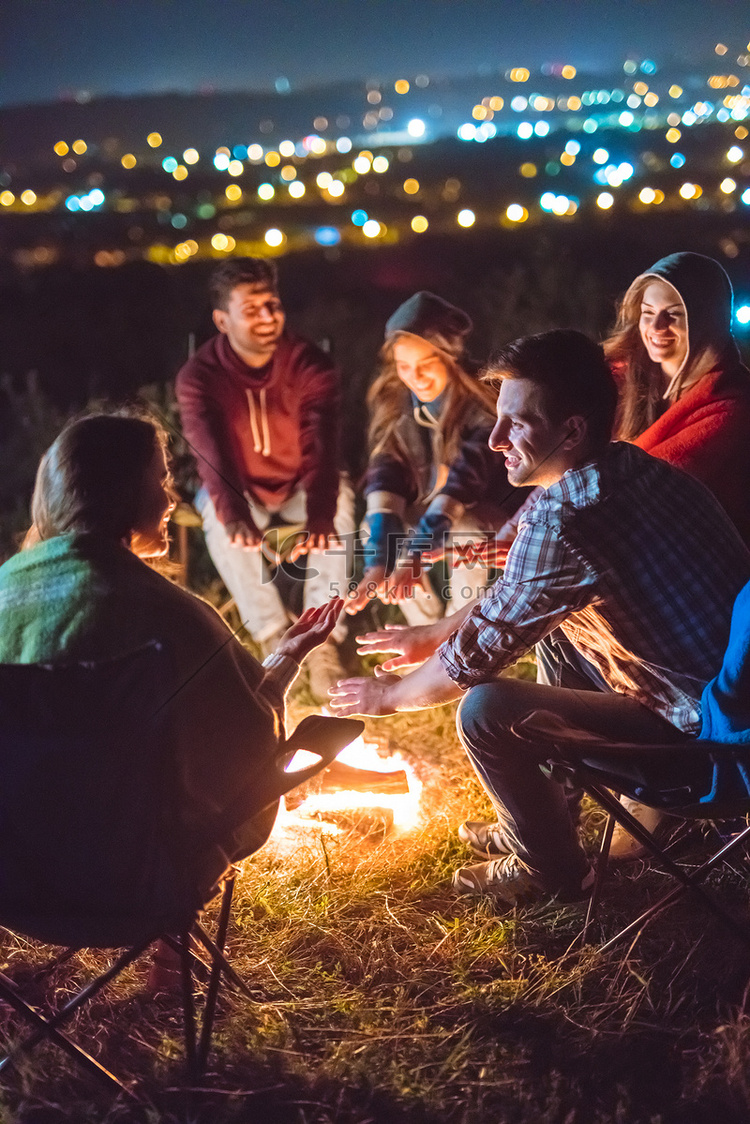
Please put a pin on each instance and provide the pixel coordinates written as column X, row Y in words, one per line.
column 322, row 809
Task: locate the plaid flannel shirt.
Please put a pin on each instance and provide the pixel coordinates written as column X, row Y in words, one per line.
column 638, row 565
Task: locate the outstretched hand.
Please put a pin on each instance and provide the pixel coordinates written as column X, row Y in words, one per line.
column 488, row 552
column 368, row 697
column 311, row 630
column 413, row 645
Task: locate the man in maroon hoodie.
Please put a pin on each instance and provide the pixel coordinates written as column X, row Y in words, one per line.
column 260, row 410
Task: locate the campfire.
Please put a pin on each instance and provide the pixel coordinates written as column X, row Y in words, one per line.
column 368, row 789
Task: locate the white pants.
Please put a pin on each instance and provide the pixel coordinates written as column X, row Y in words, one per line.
column 247, row 574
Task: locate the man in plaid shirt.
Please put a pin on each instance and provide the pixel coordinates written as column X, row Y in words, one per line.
column 631, row 559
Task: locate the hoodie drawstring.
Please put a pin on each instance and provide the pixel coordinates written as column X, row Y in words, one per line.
column 259, row 446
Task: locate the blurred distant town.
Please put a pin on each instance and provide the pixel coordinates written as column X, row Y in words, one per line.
column 173, row 177
column 530, row 199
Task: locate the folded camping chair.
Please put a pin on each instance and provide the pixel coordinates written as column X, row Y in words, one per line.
column 94, row 854
column 697, row 781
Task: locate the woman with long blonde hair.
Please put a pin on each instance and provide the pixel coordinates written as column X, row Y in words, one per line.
column 431, row 472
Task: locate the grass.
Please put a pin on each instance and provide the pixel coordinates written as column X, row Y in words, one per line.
column 381, row 997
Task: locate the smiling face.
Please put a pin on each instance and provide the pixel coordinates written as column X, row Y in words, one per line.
column 150, row 538
column 420, row 367
column 253, row 322
column 663, row 326
column 537, row 450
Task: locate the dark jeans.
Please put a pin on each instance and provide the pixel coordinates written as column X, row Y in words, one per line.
column 531, row 807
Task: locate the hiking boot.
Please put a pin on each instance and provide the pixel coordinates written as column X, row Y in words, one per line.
column 485, row 839
column 624, row 847
column 324, row 670
column 508, row 880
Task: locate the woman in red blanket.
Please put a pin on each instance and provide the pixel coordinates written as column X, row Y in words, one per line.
column 685, row 395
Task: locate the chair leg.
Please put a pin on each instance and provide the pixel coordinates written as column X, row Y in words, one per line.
column 48, row 1027
column 687, row 882
column 188, row 1010
column 601, row 869
column 226, row 967
column 44, row 1030
column 212, row 994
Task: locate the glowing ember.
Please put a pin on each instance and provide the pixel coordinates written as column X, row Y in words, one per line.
column 392, row 802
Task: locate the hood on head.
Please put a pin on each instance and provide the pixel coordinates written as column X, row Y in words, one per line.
column 706, row 292
column 433, row 319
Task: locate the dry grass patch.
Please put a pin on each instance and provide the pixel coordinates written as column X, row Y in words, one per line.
column 381, row 997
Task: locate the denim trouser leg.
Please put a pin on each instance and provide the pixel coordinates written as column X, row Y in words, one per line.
column 531, row 807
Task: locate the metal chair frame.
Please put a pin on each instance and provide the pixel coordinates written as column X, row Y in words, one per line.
column 598, row 782
column 197, row 1038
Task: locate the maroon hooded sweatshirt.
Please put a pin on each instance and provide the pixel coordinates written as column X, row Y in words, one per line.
column 268, row 431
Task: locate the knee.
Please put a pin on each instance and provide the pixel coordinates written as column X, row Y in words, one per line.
column 480, row 709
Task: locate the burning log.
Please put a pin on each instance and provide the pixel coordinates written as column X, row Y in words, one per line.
column 339, row 777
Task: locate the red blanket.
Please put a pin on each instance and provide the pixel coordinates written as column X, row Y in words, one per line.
column 707, row 433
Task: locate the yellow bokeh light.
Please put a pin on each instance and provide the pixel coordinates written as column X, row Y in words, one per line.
column 372, row 228
column 519, row 74
column 647, row 195
column 480, row 112
column 286, row 148
column 191, row 156
column 361, row 164
column 419, row 224
column 153, row 140
column 79, row 147
column 567, row 158
column 673, row 135
column 318, row 146
column 411, row 186
column 720, row 49
column 466, row 217
column 675, row 91
column 7, row 198
column 273, row 237
column 651, row 100
column 223, row 242
column 323, row 179
column 528, row 171
column 235, row 168
column 516, row 213
column 568, row 72
column 255, row 152
column 180, row 172
column 740, row 132
column 128, row 160
column 61, row 148
column 496, row 104
column 336, row 189
column 296, row 189
column 289, row 172
column 605, row 200
column 728, row 186
column 272, row 159
column 266, row 191
column 402, row 86
column 690, row 191
column 640, row 88
column 380, row 164
column 28, row 197
column 233, row 192
column 574, row 103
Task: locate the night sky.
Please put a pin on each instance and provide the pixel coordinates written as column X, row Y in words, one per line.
column 52, row 47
